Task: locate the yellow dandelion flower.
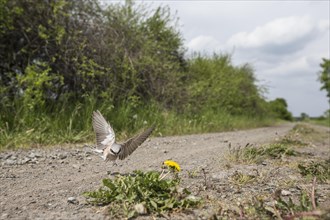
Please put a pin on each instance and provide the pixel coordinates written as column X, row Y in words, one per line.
column 173, row 165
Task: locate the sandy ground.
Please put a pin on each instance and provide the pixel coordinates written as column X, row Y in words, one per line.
column 37, row 183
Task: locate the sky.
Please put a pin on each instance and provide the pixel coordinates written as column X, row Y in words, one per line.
column 284, row 41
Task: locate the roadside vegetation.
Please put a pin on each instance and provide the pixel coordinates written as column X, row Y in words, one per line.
column 61, row 60
column 306, row 172
column 142, row 193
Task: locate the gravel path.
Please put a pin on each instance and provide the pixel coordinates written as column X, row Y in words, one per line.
column 48, row 183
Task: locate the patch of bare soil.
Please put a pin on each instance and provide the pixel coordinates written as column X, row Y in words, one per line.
column 48, row 183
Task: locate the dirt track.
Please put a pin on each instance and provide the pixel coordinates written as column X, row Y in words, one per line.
column 36, row 184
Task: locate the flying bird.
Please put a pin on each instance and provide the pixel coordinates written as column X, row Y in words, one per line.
column 105, row 140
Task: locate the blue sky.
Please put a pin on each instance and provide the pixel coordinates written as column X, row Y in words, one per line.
column 285, row 42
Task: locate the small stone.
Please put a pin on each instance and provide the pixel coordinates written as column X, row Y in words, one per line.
column 37, row 155
column 34, row 160
column 4, row 216
column 10, row 162
column 285, row 193
column 140, row 208
column 62, row 156
column 25, row 160
column 76, row 166
column 7, row 156
column 220, row 176
column 72, row 200
column 193, row 198
column 32, row 155
column 165, row 151
column 264, row 163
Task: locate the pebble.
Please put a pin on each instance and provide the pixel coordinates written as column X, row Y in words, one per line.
column 62, row 156
column 4, row 216
column 7, row 156
column 193, row 198
column 32, row 155
column 76, row 166
column 25, row 160
column 140, row 208
column 72, row 200
column 218, row 177
column 10, row 162
column 285, row 192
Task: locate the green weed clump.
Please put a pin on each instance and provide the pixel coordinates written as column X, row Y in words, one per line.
column 283, row 208
column 320, row 170
column 239, row 178
column 278, row 150
column 153, row 194
column 252, row 154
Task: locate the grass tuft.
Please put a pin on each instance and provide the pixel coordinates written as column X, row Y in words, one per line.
column 239, row 178
column 251, row 154
column 320, row 170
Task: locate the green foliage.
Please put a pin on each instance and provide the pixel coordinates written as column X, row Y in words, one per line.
column 320, row 169
column 324, row 76
column 279, row 108
column 288, row 207
column 252, row 154
column 35, row 81
column 147, row 188
column 322, row 120
column 304, row 116
column 60, row 60
column 214, row 83
column 239, row 178
column 302, row 206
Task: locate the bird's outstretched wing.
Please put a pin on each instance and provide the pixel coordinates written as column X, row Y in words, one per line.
column 130, row 145
column 105, row 136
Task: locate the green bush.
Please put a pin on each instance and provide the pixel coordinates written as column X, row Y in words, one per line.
column 215, row 83
column 278, row 108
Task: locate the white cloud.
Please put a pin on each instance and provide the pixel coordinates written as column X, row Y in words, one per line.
column 203, row 43
column 282, row 35
column 290, row 68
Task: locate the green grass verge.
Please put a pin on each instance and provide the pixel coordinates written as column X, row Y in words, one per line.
column 72, row 123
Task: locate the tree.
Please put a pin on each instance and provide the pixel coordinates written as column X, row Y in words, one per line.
column 304, row 116
column 324, row 76
column 279, row 109
column 59, row 50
